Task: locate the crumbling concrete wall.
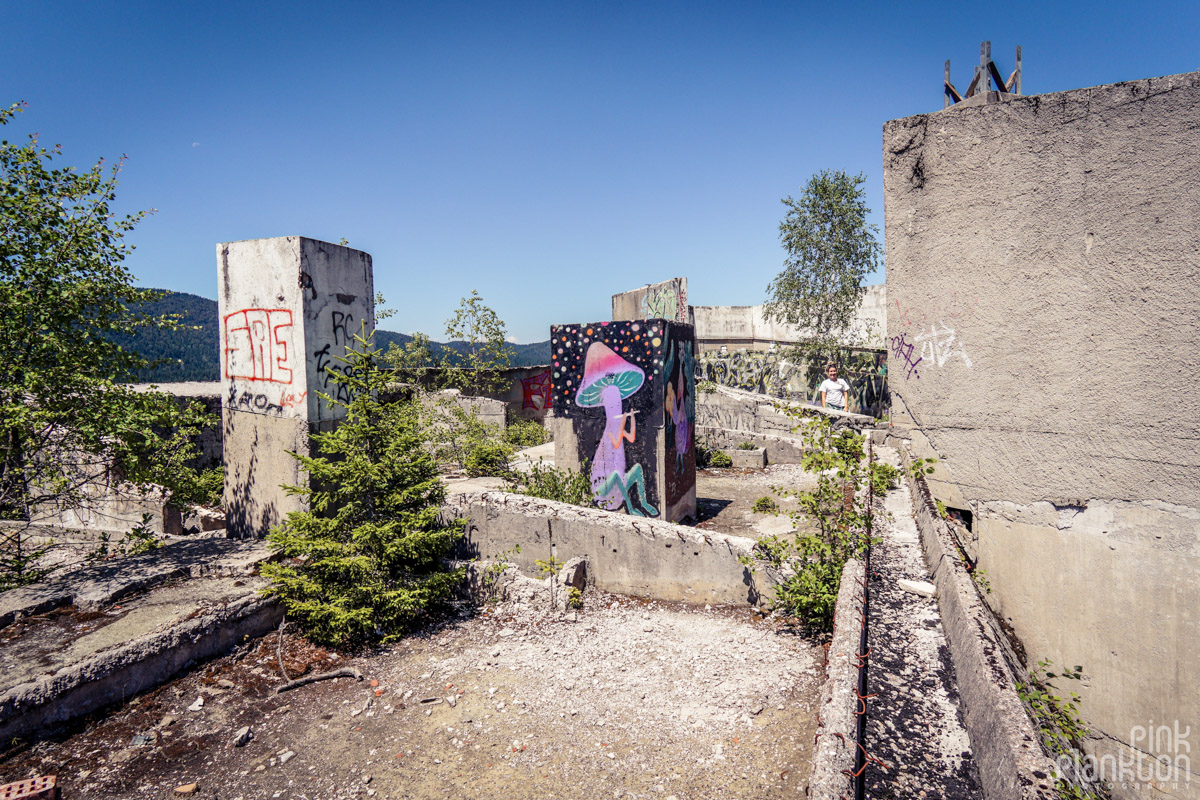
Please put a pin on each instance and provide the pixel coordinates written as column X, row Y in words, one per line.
column 747, row 328
column 289, row 308
column 666, row 300
column 1041, row 264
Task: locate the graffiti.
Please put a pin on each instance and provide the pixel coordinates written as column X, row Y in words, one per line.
column 608, row 379
column 338, row 390
column 764, row 373
column 771, row 373
column 256, row 345
column 250, row 401
column 666, row 301
column 292, row 400
column 605, row 377
column 342, row 337
column 939, row 345
column 679, row 423
column 535, row 391
column 903, row 349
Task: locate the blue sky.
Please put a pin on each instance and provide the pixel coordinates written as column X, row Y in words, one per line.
column 546, row 154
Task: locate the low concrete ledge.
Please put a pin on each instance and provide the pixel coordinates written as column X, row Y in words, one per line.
column 835, row 753
column 748, row 459
column 779, row 449
column 1005, row 745
column 625, row 554
column 117, row 673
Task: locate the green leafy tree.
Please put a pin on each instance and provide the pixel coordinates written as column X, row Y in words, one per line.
column 65, row 297
column 367, row 561
column 485, row 354
column 830, row 251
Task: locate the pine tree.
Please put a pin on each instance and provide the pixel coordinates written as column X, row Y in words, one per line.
column 367, row 561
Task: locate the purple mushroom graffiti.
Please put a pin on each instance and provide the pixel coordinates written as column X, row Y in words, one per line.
column 607, row 380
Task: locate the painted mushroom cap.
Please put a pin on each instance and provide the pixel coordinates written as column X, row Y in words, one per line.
column 604, row 368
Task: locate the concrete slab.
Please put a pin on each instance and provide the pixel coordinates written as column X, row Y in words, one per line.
column 105, row 633
column 93, row 587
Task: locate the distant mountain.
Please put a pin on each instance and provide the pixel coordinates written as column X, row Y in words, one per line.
column 193, row 354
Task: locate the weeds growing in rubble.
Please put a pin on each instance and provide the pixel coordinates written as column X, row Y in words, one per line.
column 836, row 529
column 1059, row 724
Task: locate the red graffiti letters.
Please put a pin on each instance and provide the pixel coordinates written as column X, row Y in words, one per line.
column 256, row 345
column 536, row 391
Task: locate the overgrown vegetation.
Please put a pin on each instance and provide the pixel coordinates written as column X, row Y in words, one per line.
column 66, row 416
column 1060, row 726
column 553, row 483
column 522, row 433
column 367, row 562
column 747, row 446
column 831, row 529
column 920, row 467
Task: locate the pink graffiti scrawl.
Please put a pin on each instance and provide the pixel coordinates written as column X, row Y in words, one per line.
column 536, row 390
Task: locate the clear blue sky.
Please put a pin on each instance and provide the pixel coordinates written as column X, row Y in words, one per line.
column 547, row 154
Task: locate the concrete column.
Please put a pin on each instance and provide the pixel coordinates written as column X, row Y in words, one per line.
column 289, row 307
column 624, row 396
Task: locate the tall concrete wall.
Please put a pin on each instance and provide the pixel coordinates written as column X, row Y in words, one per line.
column 289, row 307
column 1042, row 265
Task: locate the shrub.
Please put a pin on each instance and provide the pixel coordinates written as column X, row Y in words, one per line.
column 522, row 433
column 814, row 559
column 765, row 505
column 747, row 446
column 488, row 459
column 884, row 477
column 551, row 483
column 368, row 560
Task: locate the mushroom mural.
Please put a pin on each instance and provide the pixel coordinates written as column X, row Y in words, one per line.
column 607, row 380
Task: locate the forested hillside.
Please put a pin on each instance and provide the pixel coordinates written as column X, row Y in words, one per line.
column 192, row 354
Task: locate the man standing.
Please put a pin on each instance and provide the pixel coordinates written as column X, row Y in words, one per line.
column 835, row 392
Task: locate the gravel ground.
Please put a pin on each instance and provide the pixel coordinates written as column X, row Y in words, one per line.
column 625, row 699
column 914, row 724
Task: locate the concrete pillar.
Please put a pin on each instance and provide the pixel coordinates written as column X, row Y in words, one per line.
column 288, row 308
column 624, row 396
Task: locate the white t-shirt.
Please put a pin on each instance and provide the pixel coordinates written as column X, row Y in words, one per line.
column 835, row 391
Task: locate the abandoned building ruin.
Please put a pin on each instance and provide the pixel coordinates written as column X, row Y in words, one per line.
column 1036, row 335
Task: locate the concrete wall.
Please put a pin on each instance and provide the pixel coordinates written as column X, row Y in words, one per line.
column 666, row 300
column 1042, row 262
column 745, row 327
column 771, row 373
column 527, row 393
column 637, row 433
column 639, row 557
column 289, row 308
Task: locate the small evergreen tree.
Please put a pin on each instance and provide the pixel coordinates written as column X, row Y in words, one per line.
column 367, row 561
